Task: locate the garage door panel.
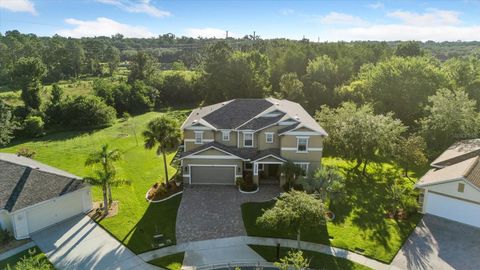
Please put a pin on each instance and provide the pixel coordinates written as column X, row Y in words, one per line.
column 54, row 211
column 215, row 175
column 453, row 209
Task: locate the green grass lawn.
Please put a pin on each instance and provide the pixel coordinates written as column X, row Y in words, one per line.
column 360, row 221
column 317, row 260
column 170, row 262
column 35, row 252
column 137, row 220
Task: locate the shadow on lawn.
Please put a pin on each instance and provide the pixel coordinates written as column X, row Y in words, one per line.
column 159, row 218
column 53, row 136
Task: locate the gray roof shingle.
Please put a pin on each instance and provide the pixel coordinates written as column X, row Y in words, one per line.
column 236, row 112
column 23, row 183
column 261, row 122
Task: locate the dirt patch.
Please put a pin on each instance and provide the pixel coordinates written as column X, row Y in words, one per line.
column 97, row 211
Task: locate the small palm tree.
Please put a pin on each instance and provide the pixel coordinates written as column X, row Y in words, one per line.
column 291, row 171
column 105, row 158
column 164, row 132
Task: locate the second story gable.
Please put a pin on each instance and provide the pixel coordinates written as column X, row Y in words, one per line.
column 255, row 123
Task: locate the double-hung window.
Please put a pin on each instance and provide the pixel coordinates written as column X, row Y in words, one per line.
column 248, row 139
column 269, row 137
column 303, row 166
column 302, row 144
column 198, row 137
column 225, row 136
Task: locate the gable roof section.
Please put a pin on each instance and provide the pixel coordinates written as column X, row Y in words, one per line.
column 458, row 152
column 241, row 153
column 198, row 113
column 261, row 122
column 25, row 182
column 268, row 153
column 236, row 113
column 467, row 170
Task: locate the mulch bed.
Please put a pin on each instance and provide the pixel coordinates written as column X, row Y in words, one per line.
column 96, row 212
column 160, row 191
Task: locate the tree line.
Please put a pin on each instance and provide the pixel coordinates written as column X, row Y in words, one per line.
column 433, row 99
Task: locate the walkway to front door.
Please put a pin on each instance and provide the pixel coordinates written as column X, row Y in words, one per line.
column 209, row 212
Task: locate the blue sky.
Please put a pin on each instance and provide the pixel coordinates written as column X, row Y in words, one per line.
column 323, row 20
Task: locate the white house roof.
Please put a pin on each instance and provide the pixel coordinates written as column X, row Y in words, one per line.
column 468, row 170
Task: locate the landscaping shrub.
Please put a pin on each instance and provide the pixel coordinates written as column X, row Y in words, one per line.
column 26, row 152
column 87, row 111
column 5, row 237
column 33, row 126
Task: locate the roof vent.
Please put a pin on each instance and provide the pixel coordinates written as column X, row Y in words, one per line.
column 195, row 121
column 297, row 117
column 277, row 103
column 223, row 103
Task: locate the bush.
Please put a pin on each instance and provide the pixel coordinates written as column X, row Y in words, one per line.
column 33, row 126
column 246, row 185
column 26, row 152
column 5, row 237
column 87, row 112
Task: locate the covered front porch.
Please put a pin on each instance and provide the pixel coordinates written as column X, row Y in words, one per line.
column 266, row 170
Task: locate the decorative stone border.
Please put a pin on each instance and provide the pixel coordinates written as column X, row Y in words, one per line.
column 249, row 192
column 162, row 200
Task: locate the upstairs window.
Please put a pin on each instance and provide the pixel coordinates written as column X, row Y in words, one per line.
column 225, row 136
column 198, row 137
column 302, row 144
column 248, row 139
column 269, row 137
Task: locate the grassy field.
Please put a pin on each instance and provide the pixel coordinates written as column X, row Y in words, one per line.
column 317, row 260
column 35, row 252
column 170, row 262
column 137, row 220
column 360, row 224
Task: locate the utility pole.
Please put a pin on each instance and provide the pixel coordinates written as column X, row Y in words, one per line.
column 226, row 35
column 253, row 35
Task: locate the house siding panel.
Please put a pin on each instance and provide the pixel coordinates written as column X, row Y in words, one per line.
column 451, row 189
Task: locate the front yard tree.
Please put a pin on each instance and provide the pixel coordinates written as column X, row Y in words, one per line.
column 451, row 115
column 163, row 132
column 326, row 181
column 411, row 152
column 294, row 210
column 106, row 176
column 292, row 172
column 356, row 133
column 293, row 260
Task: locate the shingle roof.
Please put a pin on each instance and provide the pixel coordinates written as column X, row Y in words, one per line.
column 458, row 152
column 468, row 169
column 236, row 113
column 244, row 153
column 232, row 114
column 261, row 122
column 25, row 182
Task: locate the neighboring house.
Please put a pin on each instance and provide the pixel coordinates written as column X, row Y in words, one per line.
column 34, row 196
column 452, row 189
column 248, row 138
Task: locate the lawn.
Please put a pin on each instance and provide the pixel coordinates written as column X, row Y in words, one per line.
column 360, row 224
column 317, row 260
column 137, row 220
column 35, row 252
column 170, row 262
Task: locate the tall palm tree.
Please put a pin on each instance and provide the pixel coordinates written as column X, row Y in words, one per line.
column 106, row 177
column 164, row 132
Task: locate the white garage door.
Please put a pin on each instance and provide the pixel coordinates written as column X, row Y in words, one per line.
column 54, row 211
column 213, row 175
column 453, row 209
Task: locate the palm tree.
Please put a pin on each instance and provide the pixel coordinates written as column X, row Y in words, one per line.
column 106, row 177
column 292, row 172
column 164, row 132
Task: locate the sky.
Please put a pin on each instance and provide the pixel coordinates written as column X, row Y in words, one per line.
column 316, row 20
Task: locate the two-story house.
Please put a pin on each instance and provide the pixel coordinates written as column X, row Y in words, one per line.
column 227, row 140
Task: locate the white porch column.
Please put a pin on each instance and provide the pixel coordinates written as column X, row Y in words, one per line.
column 255, row 168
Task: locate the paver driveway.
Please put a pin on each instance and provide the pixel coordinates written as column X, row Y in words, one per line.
column 208, row 212
column 438, row 243
column 80, row 243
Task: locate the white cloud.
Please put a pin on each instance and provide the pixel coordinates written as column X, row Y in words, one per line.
column 286, row 11
column 18, row 6
column 430, row 18
column 404, row 32
column 341, row 18
column 377, row 5
column 137, row 6
column 103, row 27
column 207, row 32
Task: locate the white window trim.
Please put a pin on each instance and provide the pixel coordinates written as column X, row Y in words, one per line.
column 201, row 137
column 253, row 140
column 306, row 146
column 303, row 163
column 266, row 137
column 227, row 133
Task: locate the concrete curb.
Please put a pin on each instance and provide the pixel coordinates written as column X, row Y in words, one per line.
column 16, row 250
